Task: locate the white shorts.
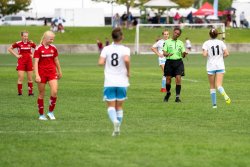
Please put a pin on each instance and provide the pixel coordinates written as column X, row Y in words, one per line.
column 162, row 60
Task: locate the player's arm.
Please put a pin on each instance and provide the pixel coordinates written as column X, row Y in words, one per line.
column 204, row 52
column 225, row 53
column 59, row 71
column 101, row 61
column 10, row 49
column 127, row 64
column 38, row 78
column 156, row 51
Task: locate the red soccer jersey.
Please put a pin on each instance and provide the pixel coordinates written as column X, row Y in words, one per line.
column 24, row 49
column 46, row 55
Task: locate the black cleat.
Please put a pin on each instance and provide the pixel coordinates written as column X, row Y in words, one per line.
column 31, row 94
column 167, row 97
column 19, row 94
column 177, row 100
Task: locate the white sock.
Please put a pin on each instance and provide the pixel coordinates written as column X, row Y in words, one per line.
column 119, row 114
column 112, row 114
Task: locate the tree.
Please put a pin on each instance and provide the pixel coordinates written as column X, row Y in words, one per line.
column 13, row 6
column 127, row 3
column 184, row 4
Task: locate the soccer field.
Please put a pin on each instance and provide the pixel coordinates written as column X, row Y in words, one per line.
column 153, row 133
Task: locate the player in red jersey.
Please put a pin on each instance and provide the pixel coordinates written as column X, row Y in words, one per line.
column 47, row 69
column 24, row 62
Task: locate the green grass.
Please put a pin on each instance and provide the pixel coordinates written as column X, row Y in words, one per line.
column 88, row 35
column 153, row 133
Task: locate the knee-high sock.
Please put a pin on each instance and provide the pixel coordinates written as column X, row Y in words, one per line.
column 168, row 87
column 163, row 82
column 40, row 105
column 112, row 114
column 19, row 88
column 178, row 90
column 52, row 103
column 119, row 114
column 213, row 96
column 30, row 87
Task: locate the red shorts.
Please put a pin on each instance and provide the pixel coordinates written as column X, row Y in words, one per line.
column 48, row 77
column 24, row 64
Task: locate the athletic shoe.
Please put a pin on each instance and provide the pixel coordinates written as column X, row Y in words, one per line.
column 227, row 99
column 43, row 118
column 19, row 94
column 163, row 90
column 167, row 97
column 116, row 131
column 51, row 116
column 31, row 94
column 177, row 100
column 214, row 106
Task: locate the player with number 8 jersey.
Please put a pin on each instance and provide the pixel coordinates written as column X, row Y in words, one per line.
column 116, row 59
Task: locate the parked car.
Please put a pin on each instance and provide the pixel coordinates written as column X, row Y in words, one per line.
column 19, row 20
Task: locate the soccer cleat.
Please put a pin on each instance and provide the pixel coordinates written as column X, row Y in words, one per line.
column 116, row 131
column 43, row 118
column 177, row 100
column 31, row 94
column 227, row 99
column 19, row 94
column 163, row 90
column 51, row 116
column 167, row 97
column 214, row 106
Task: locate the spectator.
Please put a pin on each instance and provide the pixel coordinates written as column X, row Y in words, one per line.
column 177, row 18
column 124, row 19
column 190, row 18
column 234, row 20
column 130, row 20
column 228, row 20
column 116, row 21
column 242, row 18
column 107, row 41
column 99, row 45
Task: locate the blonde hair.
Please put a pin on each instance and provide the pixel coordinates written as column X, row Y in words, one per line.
column 46, row 35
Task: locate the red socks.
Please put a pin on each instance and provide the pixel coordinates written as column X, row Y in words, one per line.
column 52, row 103
column 19, row 88
column 40, row 106
column 30, row 88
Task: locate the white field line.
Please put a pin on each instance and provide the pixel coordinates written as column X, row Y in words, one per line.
column 191, row 80
column 43, row 131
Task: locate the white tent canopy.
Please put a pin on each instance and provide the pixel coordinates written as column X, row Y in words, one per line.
column 160, row 3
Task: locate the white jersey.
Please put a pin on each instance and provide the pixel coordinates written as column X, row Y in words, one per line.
column 215, row 49
column 115, row 70
column 159, row 45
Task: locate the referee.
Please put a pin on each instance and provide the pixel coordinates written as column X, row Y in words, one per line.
column 174, row 50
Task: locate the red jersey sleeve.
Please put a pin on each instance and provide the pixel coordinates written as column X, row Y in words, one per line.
column 56, row 53
column 15, row 45
column 37, row 53
column 33, row 45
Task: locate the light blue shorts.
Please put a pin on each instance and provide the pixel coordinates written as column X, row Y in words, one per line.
column 215, row 72
column 114, row 93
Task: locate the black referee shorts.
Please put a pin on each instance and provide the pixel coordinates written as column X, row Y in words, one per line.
column 173, row 68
